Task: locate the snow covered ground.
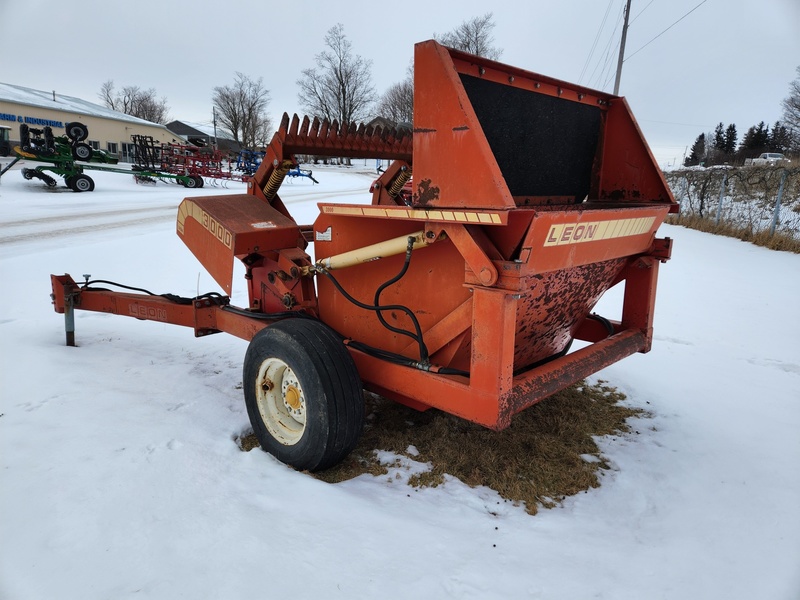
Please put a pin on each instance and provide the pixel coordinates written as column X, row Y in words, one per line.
column 120, row 477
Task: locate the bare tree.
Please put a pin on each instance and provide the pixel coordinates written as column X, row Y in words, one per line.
column 397, row 103
column 107, row 95
column 242, row 110
column 473, row 36
column 134, row 101
column 340, row 86
column 791, row 113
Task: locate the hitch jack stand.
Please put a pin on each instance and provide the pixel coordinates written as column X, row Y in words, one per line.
column 69, row 319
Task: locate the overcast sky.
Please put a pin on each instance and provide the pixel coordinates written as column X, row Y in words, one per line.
column 729, row 60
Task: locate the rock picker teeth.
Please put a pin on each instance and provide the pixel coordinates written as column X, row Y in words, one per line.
column 461, row 287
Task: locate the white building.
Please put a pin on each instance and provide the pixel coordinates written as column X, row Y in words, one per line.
column 108, row 129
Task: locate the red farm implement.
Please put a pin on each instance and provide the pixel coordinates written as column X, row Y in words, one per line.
column 182, row 160
column 530, row 198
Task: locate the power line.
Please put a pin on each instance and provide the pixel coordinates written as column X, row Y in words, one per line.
column 641, row 11
column 606, row 59
column 667, row 29
column 607, row 67
column 596, row 38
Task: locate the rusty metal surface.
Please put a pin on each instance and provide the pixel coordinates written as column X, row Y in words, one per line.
column 544, row 381
column 354, row 140
column 558, row 301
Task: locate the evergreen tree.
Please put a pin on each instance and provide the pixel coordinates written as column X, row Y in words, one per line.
column 756, row 140
column 719, row 137
column 730, row 139
column 779, row 138
column 698, row 153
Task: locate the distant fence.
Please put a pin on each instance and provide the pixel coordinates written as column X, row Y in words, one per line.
column 758, row 200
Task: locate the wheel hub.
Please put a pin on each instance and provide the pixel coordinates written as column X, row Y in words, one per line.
column 292, row 398
column 281, row 402
column 293, row 395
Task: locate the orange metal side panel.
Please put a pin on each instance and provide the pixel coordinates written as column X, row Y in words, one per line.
column 453, row 164
column 433, row 287
column 630, row 171
column 217, row 228
column 563, row 239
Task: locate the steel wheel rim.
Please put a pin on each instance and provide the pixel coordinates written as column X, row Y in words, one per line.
column 281, row 402
column 82, row 184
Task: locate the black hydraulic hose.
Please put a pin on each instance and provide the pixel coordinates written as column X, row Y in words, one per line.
column 423, row 364
column 287, row 314
column 171, row 297
column 423, row 350
column 399, row 359
column 392, row 281
column 605, row 322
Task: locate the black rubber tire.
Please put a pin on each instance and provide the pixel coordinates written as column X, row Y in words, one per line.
column 77, row 131
column 199, row 180
column 82, row 152
column 188, row 181
column 49, row 142
column 68, row 181
column 25, row 137
column 26, row 173
column 82, row 183
column 329, row 386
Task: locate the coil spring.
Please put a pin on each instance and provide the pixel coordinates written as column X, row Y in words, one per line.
column 276, row 179
column 399, row 182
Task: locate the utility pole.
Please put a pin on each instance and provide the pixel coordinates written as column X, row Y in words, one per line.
column 214, row 113
column 622, row 48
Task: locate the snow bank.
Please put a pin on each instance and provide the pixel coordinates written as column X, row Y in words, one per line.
column 120, row 476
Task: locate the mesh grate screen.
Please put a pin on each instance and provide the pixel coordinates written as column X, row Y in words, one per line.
column 545, row 146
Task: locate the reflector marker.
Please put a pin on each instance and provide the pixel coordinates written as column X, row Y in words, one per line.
column 487, row 218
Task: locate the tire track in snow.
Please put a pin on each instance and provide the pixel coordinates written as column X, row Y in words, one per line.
column 89, row 215
column 48, row 235
column 170, row 213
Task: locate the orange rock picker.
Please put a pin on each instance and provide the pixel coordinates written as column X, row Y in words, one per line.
column 530, row 197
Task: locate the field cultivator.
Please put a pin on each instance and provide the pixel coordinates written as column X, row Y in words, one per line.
column 248, row 161
column 296, row 171
column 184, row 160
column 530, row 198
